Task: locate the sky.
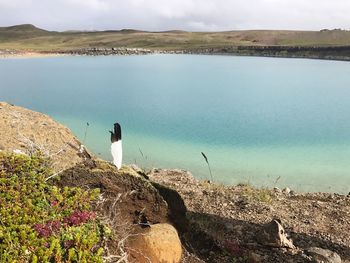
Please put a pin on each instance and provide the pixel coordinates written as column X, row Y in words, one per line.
column 191, row 15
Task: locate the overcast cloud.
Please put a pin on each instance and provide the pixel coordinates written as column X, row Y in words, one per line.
column 193, row 15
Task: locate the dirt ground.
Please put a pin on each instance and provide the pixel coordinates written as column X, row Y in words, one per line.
column 123, row 191
column 232, row 217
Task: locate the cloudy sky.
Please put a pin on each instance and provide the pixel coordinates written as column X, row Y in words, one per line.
column 194, row 15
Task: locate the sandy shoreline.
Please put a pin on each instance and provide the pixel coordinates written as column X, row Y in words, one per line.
column 26, row 54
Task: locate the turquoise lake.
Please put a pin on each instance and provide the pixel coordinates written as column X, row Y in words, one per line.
column 264, row 121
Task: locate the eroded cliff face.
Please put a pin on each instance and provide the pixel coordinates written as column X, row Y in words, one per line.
column 26, row 131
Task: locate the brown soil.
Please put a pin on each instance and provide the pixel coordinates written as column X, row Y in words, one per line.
column 125, row 192
column 129, row 201
column 30, row 131
column 233, row 216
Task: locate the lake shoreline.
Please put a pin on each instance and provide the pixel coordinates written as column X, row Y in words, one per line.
column 223, row 222
column 236, row 213
column 336, row 53
column 20, row 54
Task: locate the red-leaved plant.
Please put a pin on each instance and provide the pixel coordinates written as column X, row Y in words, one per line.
column 233, row 248
column 78, row 218
column 46, row 230
column 75, row 219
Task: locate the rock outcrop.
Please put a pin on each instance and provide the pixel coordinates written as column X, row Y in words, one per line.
column 26, row 131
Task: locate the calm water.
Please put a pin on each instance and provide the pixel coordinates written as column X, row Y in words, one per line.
column 257, row 119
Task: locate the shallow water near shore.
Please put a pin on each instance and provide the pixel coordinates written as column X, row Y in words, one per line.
column 264, row 121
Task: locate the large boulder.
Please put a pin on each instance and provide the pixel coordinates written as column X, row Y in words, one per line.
column 158, row 243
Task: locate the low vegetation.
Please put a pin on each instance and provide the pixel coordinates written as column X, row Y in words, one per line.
column 264, row 195
column 40, row 222
column 29, row 37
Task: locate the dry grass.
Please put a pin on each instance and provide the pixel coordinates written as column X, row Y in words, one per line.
column 258, row 194
column 115, row 248
column 27, row 37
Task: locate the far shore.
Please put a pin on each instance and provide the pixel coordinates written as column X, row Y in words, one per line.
column 339, row 53
column 30, row 41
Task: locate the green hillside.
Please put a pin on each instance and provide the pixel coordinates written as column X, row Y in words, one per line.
column 31, row 37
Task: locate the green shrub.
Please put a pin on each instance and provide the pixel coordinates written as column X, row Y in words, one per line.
column 258, row 194
column 40, row 222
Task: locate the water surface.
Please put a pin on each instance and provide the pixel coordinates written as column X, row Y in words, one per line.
column 265, row 121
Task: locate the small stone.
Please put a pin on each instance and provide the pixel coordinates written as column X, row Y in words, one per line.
column 271, row 209
column 293, row 193
column 308, row 258
column 274, row 235
column 229, row 226
column 286, row 191
column 254, row 257
column 320, row 255
column 238, row 229
column 277, row 190
column 307, row 221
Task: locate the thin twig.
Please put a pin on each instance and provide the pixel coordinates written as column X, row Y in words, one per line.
column 55, row 174
column 86, row 128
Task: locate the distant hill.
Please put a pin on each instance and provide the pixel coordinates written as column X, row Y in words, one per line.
column 21, row 32
column 30, row 37
column 22, row 28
